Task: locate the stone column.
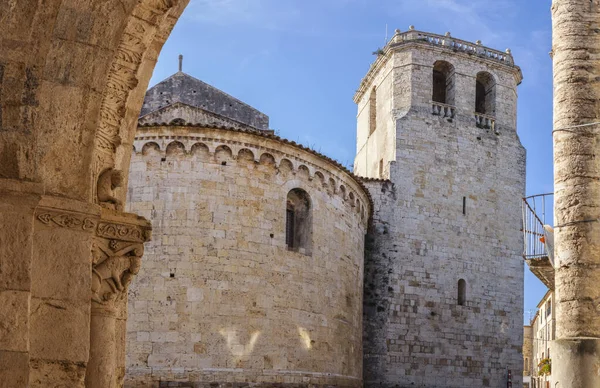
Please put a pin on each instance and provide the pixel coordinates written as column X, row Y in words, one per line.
column 117, row 251
column 575, row 355
column 64, row 270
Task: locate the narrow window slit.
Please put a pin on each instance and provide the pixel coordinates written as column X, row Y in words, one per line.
column 462, row 292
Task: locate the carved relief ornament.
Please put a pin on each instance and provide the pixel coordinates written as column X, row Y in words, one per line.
column 115, row 263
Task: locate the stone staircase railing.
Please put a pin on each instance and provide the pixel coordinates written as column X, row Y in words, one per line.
column 442, row 110
column 453, row 44
column 485, row 121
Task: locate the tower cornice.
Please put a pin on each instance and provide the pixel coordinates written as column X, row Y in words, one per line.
column 413, row 38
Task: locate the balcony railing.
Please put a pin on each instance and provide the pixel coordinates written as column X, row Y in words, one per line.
column 538, row 236
column 454, row 45
column 485, row 121
column 442, row 110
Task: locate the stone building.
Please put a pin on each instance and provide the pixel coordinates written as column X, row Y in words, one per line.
column 255, row 272
column 443, row 267
column 73, row 79
column 256, row 267
column 528, row 369
column 544, row 333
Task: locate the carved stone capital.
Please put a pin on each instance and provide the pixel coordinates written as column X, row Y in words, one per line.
column 116, row 256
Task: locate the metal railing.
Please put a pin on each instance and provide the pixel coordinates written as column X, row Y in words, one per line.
column 536, row 237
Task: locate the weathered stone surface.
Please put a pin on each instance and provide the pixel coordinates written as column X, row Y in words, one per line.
column 47, row 373
column 450, row 211
column 220, row 298
column 14, row 320
column 544, row 333
column 54, row 326
column 14, row 369
column 71, row 75
column 528, row 356
column 576, row 187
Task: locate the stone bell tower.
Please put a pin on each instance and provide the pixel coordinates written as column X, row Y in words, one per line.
column 437, row 144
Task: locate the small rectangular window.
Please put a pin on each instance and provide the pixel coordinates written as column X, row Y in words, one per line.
column 464, row 205
column 373, row 111
column 381, row 168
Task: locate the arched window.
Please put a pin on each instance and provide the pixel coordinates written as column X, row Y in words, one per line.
column 443, row 83
column 462, row 292
column 298, row 222
column 373, row 110
column 485, row 94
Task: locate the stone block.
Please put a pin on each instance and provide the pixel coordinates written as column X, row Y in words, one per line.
column 16, row 237
column 45, row 373
column 60, row 330
column 14, row 369
column 14, row 321
column 62, row 264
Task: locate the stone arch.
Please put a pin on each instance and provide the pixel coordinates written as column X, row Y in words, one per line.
column 267, row 159
column 246, row 155
column 320, row 177
column 200, row 150
column 286, row 166
column 223, row 154
column 151, row 148
column 303, row 171
column 332, row 185
column 351, row 199
column 83, row 78
column 443, row 83
column 77, row 84
column 485, row 94
column 343, row 191
column 298, row 221
column 175, row 148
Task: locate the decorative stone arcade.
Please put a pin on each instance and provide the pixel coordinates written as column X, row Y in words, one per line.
column 72, row 79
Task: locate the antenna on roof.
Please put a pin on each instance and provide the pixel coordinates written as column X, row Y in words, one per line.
column 180, row 62
column 386, row 34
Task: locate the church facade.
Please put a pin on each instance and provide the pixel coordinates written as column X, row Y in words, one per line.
column 272, row 264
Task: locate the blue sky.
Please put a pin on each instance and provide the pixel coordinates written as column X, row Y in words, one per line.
column 300, row 62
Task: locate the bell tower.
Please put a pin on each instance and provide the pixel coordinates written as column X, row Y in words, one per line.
column 437, row 144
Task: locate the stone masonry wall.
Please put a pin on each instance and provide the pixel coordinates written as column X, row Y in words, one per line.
column 528, row 339
column 381, row 144
column 219, row 298
column 422, row 242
